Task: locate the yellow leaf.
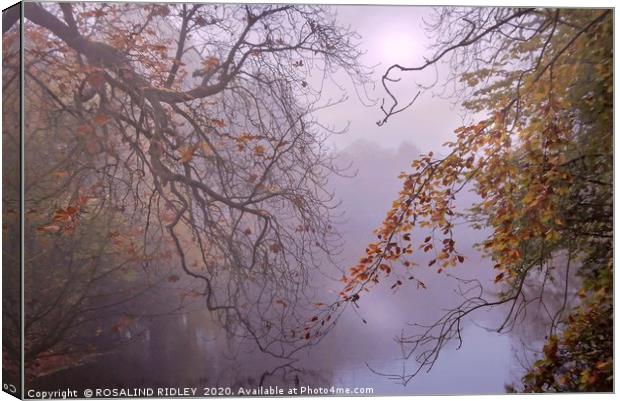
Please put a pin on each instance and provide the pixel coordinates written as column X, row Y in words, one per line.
column 206, row 149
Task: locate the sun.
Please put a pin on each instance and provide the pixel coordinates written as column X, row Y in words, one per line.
column 399, row 44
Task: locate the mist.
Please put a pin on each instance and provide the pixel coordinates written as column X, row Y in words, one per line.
column 196, row 210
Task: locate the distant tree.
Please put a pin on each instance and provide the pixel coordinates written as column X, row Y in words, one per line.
column 540, row 162
column 89, row 266
column 186, row 128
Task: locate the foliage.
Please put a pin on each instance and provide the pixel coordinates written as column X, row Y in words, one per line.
column 541, row 166
column 582, row 358
column 182, row 135
column 86, row 264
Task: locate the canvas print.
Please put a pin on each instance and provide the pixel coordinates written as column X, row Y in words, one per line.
column 11, row 200
column 209, row 199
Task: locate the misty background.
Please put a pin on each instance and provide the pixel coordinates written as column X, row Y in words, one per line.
column 185, row 349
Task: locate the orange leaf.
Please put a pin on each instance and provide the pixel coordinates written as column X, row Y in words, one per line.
column 84, row 129
column 95, row 79
column 385, row 268
column 187, row 153
column 101, row 119
column 259, row 150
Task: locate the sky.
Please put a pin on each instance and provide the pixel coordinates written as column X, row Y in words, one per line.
column 389, row 35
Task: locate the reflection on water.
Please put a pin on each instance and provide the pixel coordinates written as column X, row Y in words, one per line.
column 189, row 350
column 182, row 351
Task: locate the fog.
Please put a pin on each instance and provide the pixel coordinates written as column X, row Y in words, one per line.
column 192, row 351
column 376, row 155
column 189, row 349
column 482, row 365
column 392, row 35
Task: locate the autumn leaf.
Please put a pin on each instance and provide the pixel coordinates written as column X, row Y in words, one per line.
column 122, row 323
column 218, row 122
column 60, row 174
column 96, row 79
column 101, row 119
column 93, row 147
column 65, row 215
column 603, row 365
column 396, row 284
column 259, row 150
column 187, row 153
column 161, row 10
column 50, row 229
column 206, row 149
column 387, row 269
column 160, row 47
column 83, row 130
column 210, row 63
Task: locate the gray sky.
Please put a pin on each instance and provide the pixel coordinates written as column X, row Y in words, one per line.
column 391, row 35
